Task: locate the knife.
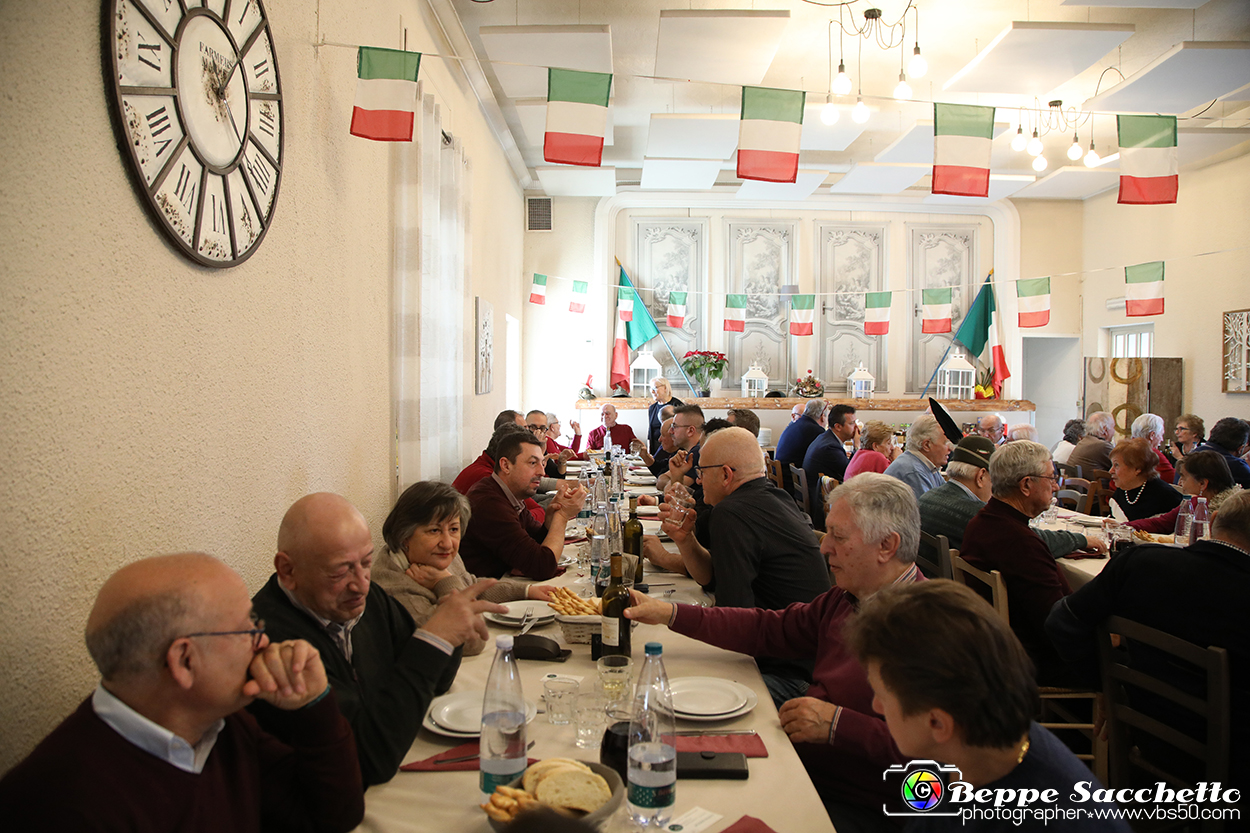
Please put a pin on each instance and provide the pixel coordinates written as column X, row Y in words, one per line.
column 527, row 621
column 464, row 758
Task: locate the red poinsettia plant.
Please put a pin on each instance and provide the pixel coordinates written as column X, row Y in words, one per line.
column 704, row 366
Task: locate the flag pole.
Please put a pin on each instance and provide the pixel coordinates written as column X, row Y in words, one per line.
column 676, row 360
column 939, row 367
column 621, row 270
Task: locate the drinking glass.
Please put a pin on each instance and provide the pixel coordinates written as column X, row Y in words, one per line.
column 614, row 750
column 559, row 693
column 592, row 719
column 629, row 563
column 615, row 675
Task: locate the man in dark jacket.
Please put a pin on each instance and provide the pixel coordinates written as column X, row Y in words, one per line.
column 793, row 443
column 1228, row 439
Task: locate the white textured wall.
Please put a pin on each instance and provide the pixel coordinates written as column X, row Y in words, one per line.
column 150, row 405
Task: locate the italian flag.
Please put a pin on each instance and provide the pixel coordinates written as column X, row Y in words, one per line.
column 961, row 149
column 577, row 116
column 676, row 309
column 937, row 310
column 1147, row 159
column 768, row 136
column 877, row 313
column 1033, row 300
column 802, row 309
column 625, row 304
column 631, row 333
column 538, row 290
column 735, row 313
column 386, row 94
column 1145, row 288
column 982, row 333
column 578, row 301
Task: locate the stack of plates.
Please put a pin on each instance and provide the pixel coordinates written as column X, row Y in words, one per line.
column 459, row 715
column 708, row 699
column 516, row 612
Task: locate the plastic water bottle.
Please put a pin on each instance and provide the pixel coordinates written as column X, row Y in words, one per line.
column 652, row 771
column 503, row 721
column 612, row 544
column 1183, row 519
column 599, row 542
column 1198, row 527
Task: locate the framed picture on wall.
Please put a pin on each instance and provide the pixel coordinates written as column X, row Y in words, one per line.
column 1236, row 351
column 485, row 358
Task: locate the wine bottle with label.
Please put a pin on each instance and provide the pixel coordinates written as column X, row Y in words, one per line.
column 631, row 535
column 614, row 627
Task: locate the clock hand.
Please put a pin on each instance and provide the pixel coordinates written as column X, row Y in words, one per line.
column 221, row 91
column 230, row 113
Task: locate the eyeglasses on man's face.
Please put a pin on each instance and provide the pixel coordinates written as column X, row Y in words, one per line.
column 256, row 632
column 715, row 466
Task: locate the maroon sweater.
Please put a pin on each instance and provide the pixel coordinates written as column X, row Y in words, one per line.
column 85, row 776
column 622, row 435
column 499, row 542
column 850, row 768
column 482, row 467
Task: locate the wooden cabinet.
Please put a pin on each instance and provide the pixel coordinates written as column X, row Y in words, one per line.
column 1128, row 388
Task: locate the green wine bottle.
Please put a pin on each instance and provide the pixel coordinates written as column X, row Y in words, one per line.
column 614, row 627
column 631, row 535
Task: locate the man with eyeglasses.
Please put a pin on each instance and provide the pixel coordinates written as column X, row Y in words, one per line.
column 555, row 458
column 164, row 743
column 1022, row 482
column 383, row 670
column 687, row 437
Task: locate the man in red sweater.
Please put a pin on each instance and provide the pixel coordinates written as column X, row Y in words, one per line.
column 163, row 743
column 621, row 434
column 484, row 465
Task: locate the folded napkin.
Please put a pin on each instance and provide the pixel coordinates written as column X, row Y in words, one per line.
column 431, row 764
column 1083, row 554
column 750, row 745
column 749, row 824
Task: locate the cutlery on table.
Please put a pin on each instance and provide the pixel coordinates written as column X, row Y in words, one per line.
column 527, row 621
column 464, row 758
column 693, row 734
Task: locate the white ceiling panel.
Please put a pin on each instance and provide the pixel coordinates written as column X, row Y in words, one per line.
column 1033, row 58
column 873, row 178
column 916, row 145
column 532, row 113
column 1194, row 144
column 577, row 182
column 1001, row 185
column 1071, row 183
column 692, row 136
column 1186, row 76
column 1137, row 4
column 808, row 182
column 820, row 136
column 587, row 48
column 725, row 46
column 679, row 174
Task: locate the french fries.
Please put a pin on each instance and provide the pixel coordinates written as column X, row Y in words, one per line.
column 568, row 603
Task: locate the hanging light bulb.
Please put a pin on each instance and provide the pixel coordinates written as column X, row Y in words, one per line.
column 1018, row 141
column 1039, row 163
column 859, row 114
column 1092, row 158
column 829, row 113
column 1034, row 147
column 842, row 83
column 1074, row 151
column 903, row 90
column 917, row 66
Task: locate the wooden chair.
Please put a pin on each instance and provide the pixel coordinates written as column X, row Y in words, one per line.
column 935, row 556
column 774, row 472
column 1069, row 499
column 1127, row 726
column 799, row 478
column 993, row 582
column 1097, row 499
column 1076, row 484
column 1068, row 470
column 827, row 485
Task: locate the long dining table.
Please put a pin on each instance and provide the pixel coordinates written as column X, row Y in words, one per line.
column 777, row 791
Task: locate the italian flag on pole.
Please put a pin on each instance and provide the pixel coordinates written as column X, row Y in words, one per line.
column 982, row 333
column 625, row 303
column 1145, row 289
column 577, row 116
column 676, row 309
column 538, row 290
column 631, row 332
column 877, row 313
column 768, row 136
column 961, row 149
column 578, row 302
column 735, row 313
column 936, row 317
column 802, row 309
column 386, row 94
column 1147, row 159
column 1033, row 300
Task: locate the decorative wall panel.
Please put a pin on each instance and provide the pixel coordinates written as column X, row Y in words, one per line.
column 850, row 260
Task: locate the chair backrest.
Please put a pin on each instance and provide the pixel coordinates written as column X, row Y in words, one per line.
column 1069, row 470
column 1128, row 726
column 1069, row 498
column 1078, row 484
column 774, row 472
column 1099, row 474
column 934, row 557
column 798, row 477
column 1097, row 499
column 827, row 485
column 966, row 574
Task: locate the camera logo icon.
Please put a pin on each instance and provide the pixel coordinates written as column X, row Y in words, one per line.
column 922, row 789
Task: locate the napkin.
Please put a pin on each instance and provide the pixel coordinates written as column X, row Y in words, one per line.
column 431, row 764
column 1082, row 554
column 1117, row 512
column 749, row 824
column 750, row 745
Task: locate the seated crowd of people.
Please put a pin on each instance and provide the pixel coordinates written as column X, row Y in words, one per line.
column 216, row 712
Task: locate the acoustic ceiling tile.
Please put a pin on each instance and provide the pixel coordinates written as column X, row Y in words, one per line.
column 1033, row 58
column 874, row 178
column 1195, row 144
column 578, row 182
column 725, row 46
column 1186, row 76
column 820, row 136
column 534, row 48
column 916, row 145
column 692, row 136
column 679, row 174
column 804, row 187
column 1071, row 183
column 1001, row 185
column 1137, row 4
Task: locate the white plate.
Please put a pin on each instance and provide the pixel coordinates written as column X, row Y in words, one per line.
column 516, row 611
column 648, row 511
column 706, row 696
column 640, row 480
column 680, row 597
column 459, row 715
column 752, row 700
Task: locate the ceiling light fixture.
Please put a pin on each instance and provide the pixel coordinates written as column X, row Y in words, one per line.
column 917, row 66
column 1018, row 141
column 1034, row 147
column 1039, row 164
column 1074, row 151
column 887, row 36
column 859, row 114
column 903, row 90
column 829, row 113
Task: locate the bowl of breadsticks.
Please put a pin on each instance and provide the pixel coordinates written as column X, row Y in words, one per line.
column 580, row 789
column 578, row 618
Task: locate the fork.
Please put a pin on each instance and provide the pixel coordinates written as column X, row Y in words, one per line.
column 464, row 758
column 527, row 621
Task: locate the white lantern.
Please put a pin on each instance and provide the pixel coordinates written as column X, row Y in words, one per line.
column 956, row 379
column 642, row 371
column 755, row 382
column 860, row 384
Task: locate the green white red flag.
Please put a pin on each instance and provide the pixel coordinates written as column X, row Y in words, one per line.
column 936, row 303
column 961, row 149
column 625, row 303
column 802, row 312
column 578, row 302
column 769, row 134
column 386, row 94
column 538, row 289
column 577, row 116
column 877, row 313
column 1144, row 289
column 735, row 313
column 676, row 309
column 1033, row 300
column 982, row 333
column 1148, row 165
column 632, row 332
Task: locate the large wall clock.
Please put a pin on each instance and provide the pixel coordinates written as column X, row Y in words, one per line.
column 198, row 102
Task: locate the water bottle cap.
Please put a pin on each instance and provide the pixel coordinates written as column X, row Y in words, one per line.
column 654, row 649
column 503, row 643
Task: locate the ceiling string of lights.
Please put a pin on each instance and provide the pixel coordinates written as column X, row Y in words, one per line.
column 873, row 28
column 1056, row 118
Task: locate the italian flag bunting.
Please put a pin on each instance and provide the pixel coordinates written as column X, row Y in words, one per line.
column 768, row 136
column 1147, row 159
column 631, row 332
column 877, row 313
column 735, row 313
column 982, row 332
column 802, row 310
column 538, row 290
column 961, row 149
column 578, row 302
column 577, row 116
column 936, row 317
column 1144, row 289
column 625, row 303
column 1033, row 299
column 386, row 94
column 676, row 309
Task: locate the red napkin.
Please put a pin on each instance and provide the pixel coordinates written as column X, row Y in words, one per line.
column 750, row 745
column 431, row 764
column 749, row 824
column 1079, row 555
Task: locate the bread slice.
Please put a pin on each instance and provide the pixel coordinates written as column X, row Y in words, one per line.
column 573, row 789
column 538, row 771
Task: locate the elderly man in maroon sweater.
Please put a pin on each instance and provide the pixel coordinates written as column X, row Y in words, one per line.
column 874, row 532
column 1022, row 482
column 164, row 744
column 503, row 537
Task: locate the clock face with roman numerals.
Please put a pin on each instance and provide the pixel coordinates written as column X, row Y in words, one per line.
column 196, row 86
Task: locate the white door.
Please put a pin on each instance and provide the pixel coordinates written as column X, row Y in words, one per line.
column 1052, row 381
